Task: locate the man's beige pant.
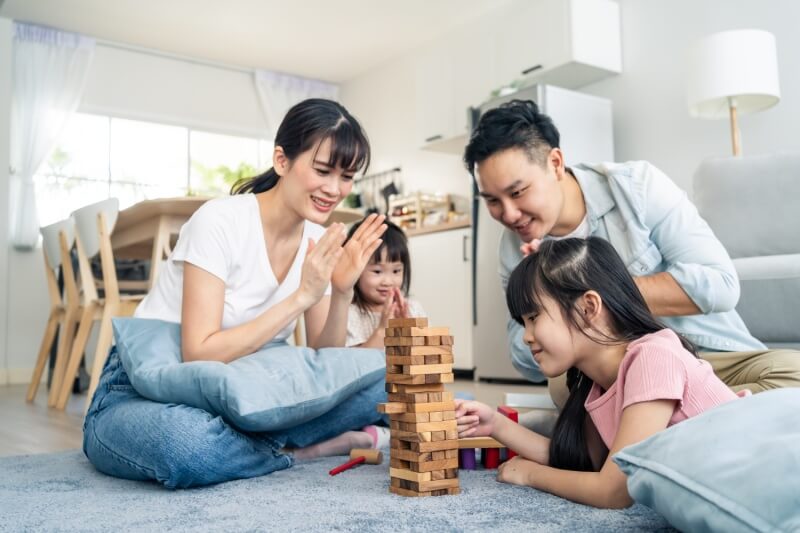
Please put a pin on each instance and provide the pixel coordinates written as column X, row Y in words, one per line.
column 757, row 371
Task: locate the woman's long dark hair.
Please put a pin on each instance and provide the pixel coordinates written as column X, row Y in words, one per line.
column 305, row 126
column 395, row 245
column 564, row 270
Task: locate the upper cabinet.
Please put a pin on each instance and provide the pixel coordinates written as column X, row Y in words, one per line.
column 569, row 43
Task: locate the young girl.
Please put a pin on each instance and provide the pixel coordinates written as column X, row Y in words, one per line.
column 584, row 316
column 380, row 293
column 245, row 267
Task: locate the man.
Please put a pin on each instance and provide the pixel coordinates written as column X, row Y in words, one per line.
column 681, row 268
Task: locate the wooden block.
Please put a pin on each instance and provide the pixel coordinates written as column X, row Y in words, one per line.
column 479, row 442
column 451, row 435
column 409, row 493
column 409, row 388
column 439, row 378
column 394, row 425
column 392, row 407
column 429, row 426
column 411, row 417
column 447, row 396
column 419, row 379
column 405, row 379
column 394, row 369
column 438, row 456
column 411, row 456
column 436, row 475
column 438, row 436
column 449, row 454
column 429, row 466
column 429, row 485
column 409, row 475
column 399, row 463
column 446, row 340
column 412, row 399
column 412, row 436
column 427, row 407
column 421, row 332
column 414, row 370
column 448, row 415
column 437, row 397
column 436, row 416
column 447, row 445
column 407, row 359
column 418, row 350
column 451, row 473
column 435, row 340
column 404, row 341
column 408, row 323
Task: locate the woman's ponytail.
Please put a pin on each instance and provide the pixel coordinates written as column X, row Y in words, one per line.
column 256, row 184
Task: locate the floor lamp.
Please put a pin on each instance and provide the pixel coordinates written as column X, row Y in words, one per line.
column 732, row 73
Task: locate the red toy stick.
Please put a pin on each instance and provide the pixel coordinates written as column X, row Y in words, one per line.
column 349, row 464
column 358, row 456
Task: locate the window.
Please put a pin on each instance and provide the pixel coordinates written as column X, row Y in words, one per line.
column 100, row 157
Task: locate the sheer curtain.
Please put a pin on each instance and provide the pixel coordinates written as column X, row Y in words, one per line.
column 49, row 69
column 278, row 92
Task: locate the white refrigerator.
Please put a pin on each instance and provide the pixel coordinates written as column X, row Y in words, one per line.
column 585, row 124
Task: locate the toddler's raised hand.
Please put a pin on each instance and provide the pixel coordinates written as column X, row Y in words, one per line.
column 474, row 419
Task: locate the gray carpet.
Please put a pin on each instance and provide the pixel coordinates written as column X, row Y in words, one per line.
column 63, row 492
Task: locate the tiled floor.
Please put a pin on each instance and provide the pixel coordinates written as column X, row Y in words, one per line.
column 34, row 428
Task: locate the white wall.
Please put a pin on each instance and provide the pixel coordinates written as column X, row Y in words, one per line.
column 650, row 111
column 126, row 84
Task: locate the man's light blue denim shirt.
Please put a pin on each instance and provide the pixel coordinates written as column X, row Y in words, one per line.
column 655, row 228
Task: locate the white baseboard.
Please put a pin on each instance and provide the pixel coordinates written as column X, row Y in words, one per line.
column 17, row 376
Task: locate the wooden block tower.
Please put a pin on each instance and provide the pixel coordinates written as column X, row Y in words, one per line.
column 424, row 439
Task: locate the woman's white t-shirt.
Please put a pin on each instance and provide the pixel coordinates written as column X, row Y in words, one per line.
column 225, row 237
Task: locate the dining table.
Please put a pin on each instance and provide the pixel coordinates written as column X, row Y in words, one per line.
column 149, row 229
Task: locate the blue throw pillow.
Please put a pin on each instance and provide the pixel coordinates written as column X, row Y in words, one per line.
column 278, row 387
column 733, row 468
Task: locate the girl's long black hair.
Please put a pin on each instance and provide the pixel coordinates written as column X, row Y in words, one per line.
column 305, row 126
column 395, row 246
column 564, row 270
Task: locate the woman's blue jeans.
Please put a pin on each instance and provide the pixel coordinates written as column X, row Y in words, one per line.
column 127, row 436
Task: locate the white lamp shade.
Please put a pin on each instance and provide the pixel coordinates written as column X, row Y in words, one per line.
column 738, row 64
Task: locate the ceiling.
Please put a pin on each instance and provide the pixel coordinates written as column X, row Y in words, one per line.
column 333, row 40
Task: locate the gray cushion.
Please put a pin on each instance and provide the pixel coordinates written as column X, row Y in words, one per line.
column 751, row 203
column 772, row 315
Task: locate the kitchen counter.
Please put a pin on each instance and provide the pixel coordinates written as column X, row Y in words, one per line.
column 447, row 226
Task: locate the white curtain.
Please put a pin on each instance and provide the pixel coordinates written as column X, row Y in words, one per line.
column 49, row 69
column 279, row 92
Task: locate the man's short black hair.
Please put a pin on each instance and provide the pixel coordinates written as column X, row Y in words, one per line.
column 515, row 124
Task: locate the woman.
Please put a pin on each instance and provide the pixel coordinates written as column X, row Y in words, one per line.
column 244, row 269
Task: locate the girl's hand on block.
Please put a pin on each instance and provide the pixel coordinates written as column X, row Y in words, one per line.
column 357, row 252
column 517, row 471
column 474, row 419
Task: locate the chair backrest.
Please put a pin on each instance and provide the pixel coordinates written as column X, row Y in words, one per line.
column 86, row 223
column 50, row 240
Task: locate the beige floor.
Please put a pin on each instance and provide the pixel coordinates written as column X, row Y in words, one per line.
column 33, row 428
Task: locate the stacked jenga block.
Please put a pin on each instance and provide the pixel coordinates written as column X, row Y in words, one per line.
column 424, row 439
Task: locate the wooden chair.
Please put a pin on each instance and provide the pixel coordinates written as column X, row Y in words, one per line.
column 93, row 225
column 53, row 258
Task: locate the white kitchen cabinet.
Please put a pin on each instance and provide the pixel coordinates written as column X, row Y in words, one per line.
column 441, row 282
column 435, row 117
column 569, row 43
